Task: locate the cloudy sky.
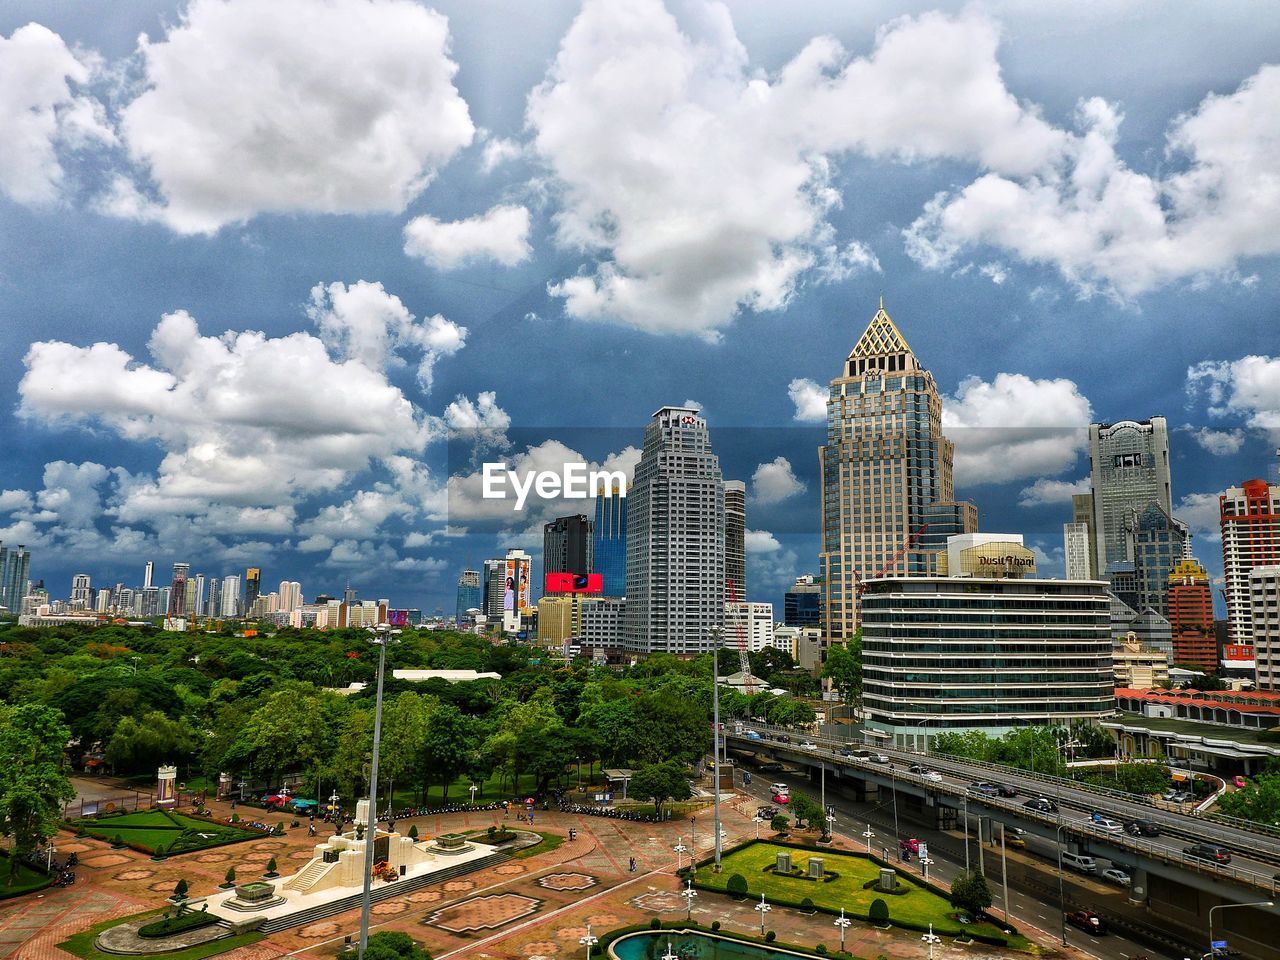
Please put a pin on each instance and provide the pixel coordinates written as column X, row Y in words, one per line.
column 261, row 259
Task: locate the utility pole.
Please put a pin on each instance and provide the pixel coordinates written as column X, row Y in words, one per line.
column 1004, row 874
column 715, row 732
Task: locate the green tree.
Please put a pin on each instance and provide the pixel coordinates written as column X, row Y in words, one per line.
column 448, row 745
column 786, row 712
column 971, row 893
column 779, row 823
column 804, row 808
column 737, row 886
column 1260, row 801
column 660, row 782
column 843, row 668
column 879, row 912
column 33, row 785
column 388, row 945
column 145, row 743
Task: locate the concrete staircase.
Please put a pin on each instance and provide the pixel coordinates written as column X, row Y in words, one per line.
column 380, row 891
column 310, row 876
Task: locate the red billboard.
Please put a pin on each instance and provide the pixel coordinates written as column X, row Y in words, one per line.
column 575, row 583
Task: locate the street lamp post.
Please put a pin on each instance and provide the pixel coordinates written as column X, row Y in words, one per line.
column 925, row 863
column 763, row 908
column 588, row 941
column 670, row 954
column 1062, row 899
column 831, row 819
column 931, row 939
column 474, row 788
column 757, row 821
column 1228, row 906
column 868, row 834
column 715, row 733
column 843, row 924
column 680, row 848
column 693, row 840
column 382, row 635
column 689, row 893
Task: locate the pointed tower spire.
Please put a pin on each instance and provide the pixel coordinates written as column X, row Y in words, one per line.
column 882, row 347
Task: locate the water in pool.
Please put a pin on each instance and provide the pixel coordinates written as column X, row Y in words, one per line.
column 692, row 946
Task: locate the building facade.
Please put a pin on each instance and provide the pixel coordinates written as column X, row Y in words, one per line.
column 735, row 538
column 1264, row 611
column 1191, row 616
column 1082, row 512
column 802, row 604
column 1158, row 543
column 884, row 462
column 567, row 546
column 1250, row 517
column 1129, row 468
column 252, row 585
column 178, row 590
column 231, row 596
column 1076, row 550
column 984, row 652
column 748, row 624
column 470, row 596
column 609, row 540
column 675, row 538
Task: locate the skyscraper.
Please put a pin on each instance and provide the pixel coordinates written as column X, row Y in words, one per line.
column 469, row 595
column 885, row 460
column 230, row 596
column 1076, row 549
column 213, row 602
column 1129, row 468
column 609, row 540
column 495, row 578
column 1157, row 543
column 15, row 568
column 1082, row 513
column 802, row 604
column 290, row 595
column 178, row 590
column 252, row 585
column 148, row 575
column 567, row 544
column 1264, row 612
column 81, row 589
column 735, row 537
column 675, row 538
column 1191, row 616
column 1250, row 517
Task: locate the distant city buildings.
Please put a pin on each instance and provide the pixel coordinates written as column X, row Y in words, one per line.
column 748, row 623
column 609, row 540
column 735, row 538
column 567, row 546
column 1264, row 611
column 1190, row 603
column 470, row 596
column 15, row 569
column 1129, row 469
column 802, row 604
column 1250, row 519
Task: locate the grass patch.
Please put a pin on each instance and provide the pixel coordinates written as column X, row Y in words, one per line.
column 915, row 909
column 27, row 880
column 81, row 944
column 176, row 833
column 167, row 926
column 549, row 842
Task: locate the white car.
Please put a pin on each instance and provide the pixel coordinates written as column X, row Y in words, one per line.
column 808, row 745
column 779, row 788
column 1107, row 824
column 933, row 775
column 1116, row 875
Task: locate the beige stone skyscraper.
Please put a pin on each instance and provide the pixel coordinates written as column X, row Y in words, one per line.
column 884, row 462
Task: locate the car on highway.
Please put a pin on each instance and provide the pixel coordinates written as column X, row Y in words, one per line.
column 984, row 788
column 1006, row 790
column 1212, row 852
column 781, row 798
column 1015, row 837
column 1103, row 822
column 877, row 758
column 772, row 766
column 783, row 738
column 851, row 752
column 1239, row 783
column 779, row 788
column 1088, row 921
column 1043, row 804
column 808, row 745
column 917, row 768
column 1117, row 876
column 753, row 735
column 1142, row 828
column 933, row 776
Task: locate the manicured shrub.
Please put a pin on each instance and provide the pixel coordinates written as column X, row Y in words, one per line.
column 655, row 924
column 271, row 866
column 806, row 903
column 180, row 890
column 413, row 832
column 821, row 948
column 770, row 936
column 231, row 876
column 879, row 912
column 715, row 925
column 737, row 886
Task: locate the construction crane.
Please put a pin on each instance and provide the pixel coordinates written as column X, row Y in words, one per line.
column 743, row 660
column 907, row 544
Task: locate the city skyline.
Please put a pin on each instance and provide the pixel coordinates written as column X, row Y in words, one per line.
column 478, row 292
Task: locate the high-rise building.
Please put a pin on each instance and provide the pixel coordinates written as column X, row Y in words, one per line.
column 1045, row 655
column 609, row 540
column 191, row 601
column 470, row 596
column 230, row 596
column 178, row 590
column 1264, row 611
column 1082, row 512
column 495, row 579
column 197, row 607
column 517, row 596
column 885, row 460
column 213, row 600
column 748, row 622
column 567, row 544
column 675, row 538
column 943, row 520
column 102, row 602
column 15, row 568
column 1129, row 469
column 1075, row 547
column 148, row 575
column 290, row 595
column 1191, row 616
column 1250, row 516
column 149, row 602
column 349, row 596
column 81, row 589
column 735, row 538
column 1157, row 544
column 802, row 604
column 252, row 585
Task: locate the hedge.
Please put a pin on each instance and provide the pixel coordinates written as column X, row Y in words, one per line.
column 694, row 927
column 170, row 925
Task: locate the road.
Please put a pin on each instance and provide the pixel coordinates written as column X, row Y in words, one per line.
column 1255, row 860
column 1027, row 905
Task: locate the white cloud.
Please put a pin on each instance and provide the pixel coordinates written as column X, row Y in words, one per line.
column 995, row 272
column 1106, row 227
column 1202, row 513
column 482, row 415
column 1219, row 442
column 761, row 541
column 810, row 399
column 497, row 151
column 13, row 501
column 427, row 565
column 1045, row 492
column 416, row 539
column 694, row 404
column 775, row 481
column 44, row 112
column 1248, row 388
column 363, row 322
column 501, row 233
column 702, row 185
column 1015, row 427
column 315, row 544
column 320, row 106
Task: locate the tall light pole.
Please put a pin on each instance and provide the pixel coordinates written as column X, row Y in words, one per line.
column 931, row 938
column 1230, row 906
column 843, row 924
column 757, row 820
column 925, row 863
column 680, row 848
column 382, row 635
column 689, row 893
column 589, row 941
column 763, row 908
column 1004, row 875
column 715, row 732
column 868, row 834
column 1062, row 899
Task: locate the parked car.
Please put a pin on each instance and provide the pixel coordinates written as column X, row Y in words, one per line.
column 1184, row 796
column 808, row 745
column 1169, row 794
column 1116, row 875
column 1240, row 782
column 984, row 788
column 1088, row 921
column 1212, row 852
column 1142, row 828
column 1103, row 822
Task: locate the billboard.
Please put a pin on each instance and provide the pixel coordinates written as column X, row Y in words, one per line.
column 398, row 618
column 515, row 595
column 575, row 583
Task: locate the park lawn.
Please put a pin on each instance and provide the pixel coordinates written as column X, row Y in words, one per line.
column 919, row 907
column 26, row 881
column 549, row 842
column 152, row 829
column 81, row 944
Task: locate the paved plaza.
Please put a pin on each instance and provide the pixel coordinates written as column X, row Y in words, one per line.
column 536, row 906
